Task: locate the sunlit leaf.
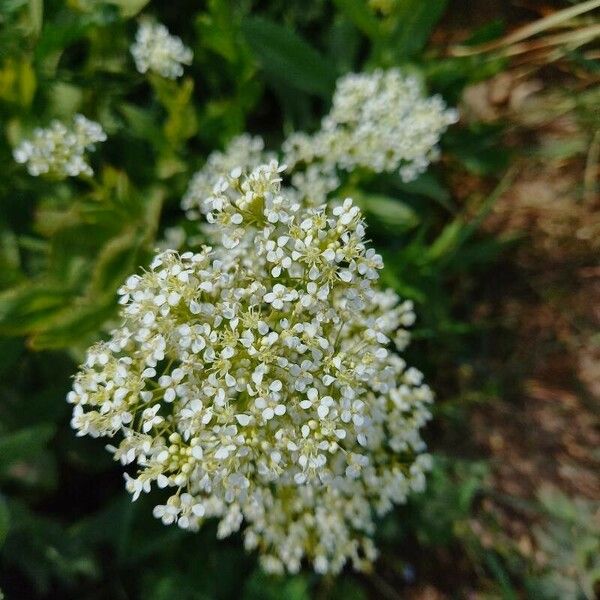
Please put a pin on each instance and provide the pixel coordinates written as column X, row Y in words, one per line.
column 28, row 307
column 36, row 15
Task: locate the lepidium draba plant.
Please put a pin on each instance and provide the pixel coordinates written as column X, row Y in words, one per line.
column 59, row 150
column 155, row 50
column 380, row 122
column 259, row 381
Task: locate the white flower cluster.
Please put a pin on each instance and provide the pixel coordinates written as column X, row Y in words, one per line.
column 244, row 150
column 155, row 49
column 59, row 150
column 380, row 121
column 256, row 381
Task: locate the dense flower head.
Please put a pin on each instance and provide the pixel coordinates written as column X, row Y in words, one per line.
column 256, row 380
column 156, row 50
column 59, row 150
column 244, row 150
column 380, row 121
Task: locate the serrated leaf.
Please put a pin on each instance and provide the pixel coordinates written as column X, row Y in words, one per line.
column 287, row 57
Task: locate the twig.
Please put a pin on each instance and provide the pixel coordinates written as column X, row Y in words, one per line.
column 529, row 30
column 577, row 37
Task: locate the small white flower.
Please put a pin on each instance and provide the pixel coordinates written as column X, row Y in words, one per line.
column 155, row 49
column 279, row 295
column 58, row 150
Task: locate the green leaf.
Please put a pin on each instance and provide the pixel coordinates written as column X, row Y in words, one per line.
column 4, row 520
column 501, row 576
column 390, row 212
column 415, row 21
column 361, row 16
column 287, row 57
column 447, row 241
column 457, row 232
column 58, row 35
column 23, row 444
column 115, row 261
column 129, row 8
column 347, row 589
column 17, row 82
column 217, row 29
column 176, row 97
column 343, row 44
column 72, row 325
column 426, row 185
column 479, row 147
column 36, row 15
column 27, row 307
column 141, row 123
column 265, row 587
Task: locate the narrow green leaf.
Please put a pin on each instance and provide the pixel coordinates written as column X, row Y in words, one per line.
column 426, row 185
column 176, row 97
column 287, row 57
column 361, row 16
column 501, row 576
column 4, row 520
column 72, row 325
column 218, row 29
column 391, row 212
column 129, row 8
column 141, row 123
column 457, row 232
column 447, row 241
column 115, row 261
column 415, row 22
column 36, row 15
column 343, row 44
column 27, row 307
column 56, row 36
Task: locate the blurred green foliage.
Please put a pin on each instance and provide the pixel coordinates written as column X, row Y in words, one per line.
column 67, row 527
